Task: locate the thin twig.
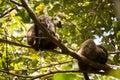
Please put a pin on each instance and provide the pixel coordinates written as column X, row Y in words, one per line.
column 8, row 11
column 24, row 76
column 13, row 43
column 38, row 68
column 15, row 2
column 116, row 52
column 63, row 71
column 49, row 73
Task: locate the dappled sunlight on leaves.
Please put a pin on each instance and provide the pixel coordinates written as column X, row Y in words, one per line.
column 81, row 20
column 40, row 8
column 114, row 73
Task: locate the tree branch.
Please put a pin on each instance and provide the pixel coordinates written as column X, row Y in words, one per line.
column 55, row 40
column 46, row 74
column 27, row 46
column 8, row 11
column 116, row 52
column 24, row 76
column 13, row 43
column 15, row 2
column 65, row 50
column 61, row 71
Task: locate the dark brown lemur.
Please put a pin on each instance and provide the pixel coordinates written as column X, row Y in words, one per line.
column 92, row 52
column 37, row 39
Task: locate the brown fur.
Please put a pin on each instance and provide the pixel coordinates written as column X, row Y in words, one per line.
column 37, row 39
column 93, row 52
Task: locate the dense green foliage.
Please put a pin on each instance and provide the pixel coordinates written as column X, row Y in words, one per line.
column 81, row 19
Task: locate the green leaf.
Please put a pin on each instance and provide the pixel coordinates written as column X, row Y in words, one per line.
column 116, row 58
column 118, row 34
column 64, row 76
column 115, row 73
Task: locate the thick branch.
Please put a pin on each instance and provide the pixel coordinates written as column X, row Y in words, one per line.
column 37, row 22
column 27, row 46
column 65, row 49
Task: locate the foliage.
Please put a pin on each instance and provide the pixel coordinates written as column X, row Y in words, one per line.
column 81, row 19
